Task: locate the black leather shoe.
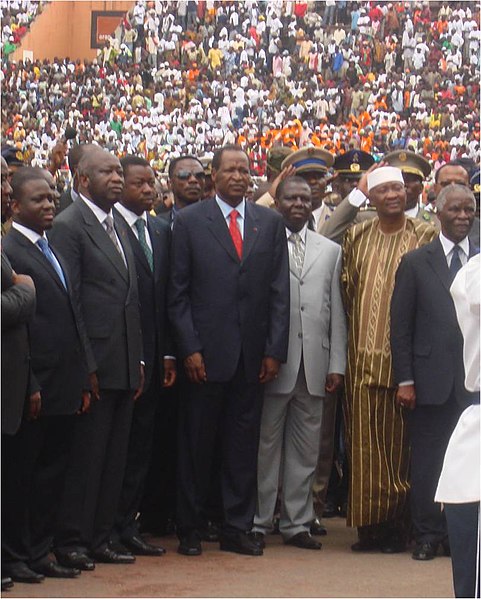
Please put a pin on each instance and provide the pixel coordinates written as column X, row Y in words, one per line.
column 7, row 583
column 190, row 544
column 53, row 570
column 20, row 572
column 138, row 546
column 209, row 533
column 393, row 543
column 446, row 547
column 240, row 543
column 76, row 559
column 318, row 529
column 365, row 545
column 106, row 555
column 330, row 510
column 304, row 541
column 425, row 551
column 259, row 538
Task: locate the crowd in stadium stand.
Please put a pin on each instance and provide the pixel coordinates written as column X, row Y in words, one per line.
column 186, row 77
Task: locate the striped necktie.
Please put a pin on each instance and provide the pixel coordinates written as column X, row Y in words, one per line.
column 140, row 226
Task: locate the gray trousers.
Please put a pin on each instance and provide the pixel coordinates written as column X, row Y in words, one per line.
column 288, row 452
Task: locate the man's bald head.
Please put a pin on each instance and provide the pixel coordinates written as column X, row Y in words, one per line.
column 101, row 177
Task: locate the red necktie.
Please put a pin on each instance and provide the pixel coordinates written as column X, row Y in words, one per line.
column 235, row 233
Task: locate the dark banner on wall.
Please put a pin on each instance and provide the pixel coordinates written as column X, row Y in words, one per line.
column 104, row 24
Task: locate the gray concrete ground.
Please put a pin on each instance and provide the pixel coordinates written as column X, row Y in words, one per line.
column 283, row 571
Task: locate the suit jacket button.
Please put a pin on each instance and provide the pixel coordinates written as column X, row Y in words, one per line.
column 302, row 308
column 299, row 335
column 301, row 282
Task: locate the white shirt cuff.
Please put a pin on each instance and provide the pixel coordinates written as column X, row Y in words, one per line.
column 356, row 198
column 405, row 383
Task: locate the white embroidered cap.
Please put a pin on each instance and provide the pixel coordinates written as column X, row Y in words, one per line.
column 384, row 174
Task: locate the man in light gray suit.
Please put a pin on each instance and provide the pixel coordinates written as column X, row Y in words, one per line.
column 316, row 361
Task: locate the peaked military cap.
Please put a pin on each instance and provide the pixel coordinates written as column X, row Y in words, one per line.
column 309, row 159
column 353, row 164
column 409, row 162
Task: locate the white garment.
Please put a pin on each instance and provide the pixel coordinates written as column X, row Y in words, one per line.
column 460, row 477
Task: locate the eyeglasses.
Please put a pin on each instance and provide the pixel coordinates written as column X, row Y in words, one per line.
column 184, row 175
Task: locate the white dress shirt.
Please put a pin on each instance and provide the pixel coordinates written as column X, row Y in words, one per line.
column 131, row 218
column 101, row 216
column 227, row 209
column 33, row 236
column 448, row 246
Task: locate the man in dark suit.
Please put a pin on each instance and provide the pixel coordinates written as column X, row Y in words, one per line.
column 150, row 241
column 103, row 275
column 70, row 195
column 187, row 178
column 229, row 307
column 18, row 305
column 37, row 455
column 427, row 351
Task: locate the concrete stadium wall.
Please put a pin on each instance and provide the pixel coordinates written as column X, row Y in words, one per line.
column 64, row 29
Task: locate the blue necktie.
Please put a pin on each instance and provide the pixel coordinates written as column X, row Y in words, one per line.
column 47, row 252
column 455, row 261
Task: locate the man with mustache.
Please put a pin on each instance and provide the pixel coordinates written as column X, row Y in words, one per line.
column 100, row 259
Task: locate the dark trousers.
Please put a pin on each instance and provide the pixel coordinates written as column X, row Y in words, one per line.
column 159, row 497
column 430, row 428
column 463, row 529
column 232, row 410
column 33, row 468
column 138, row 458
column 95, row 474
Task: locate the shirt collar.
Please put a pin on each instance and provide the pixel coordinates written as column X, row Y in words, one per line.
column 99, row 213
column 31, row 235
column 448, row 244
column 412, row 212
column 226, row 209
column 74, row 195
column 302, row 233
column 130, row 216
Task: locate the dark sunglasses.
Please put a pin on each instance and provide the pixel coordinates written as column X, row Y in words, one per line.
column 184, row 175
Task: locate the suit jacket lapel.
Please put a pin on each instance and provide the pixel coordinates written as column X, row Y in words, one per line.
column 157, row 249
column 134, row 242
column 99, row 236
column 218, row 227
column 438, row 262
column 252, row 231
column 473, row 250
column 313, row 241
column 41, row 259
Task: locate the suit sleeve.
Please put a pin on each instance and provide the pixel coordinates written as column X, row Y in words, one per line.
column 279, row 303
column 18, row 305
column 67, row 240
column 340, row 220
column 179, row 305
column 338, row 335
column 403, row 313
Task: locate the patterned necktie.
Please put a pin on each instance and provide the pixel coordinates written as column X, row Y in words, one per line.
column 140, row 226
column 235, row 233
column 455, row 261
column 47, row 252
column 297, row 253
column 109, row 227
